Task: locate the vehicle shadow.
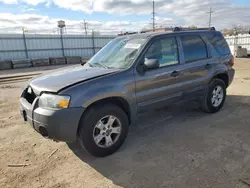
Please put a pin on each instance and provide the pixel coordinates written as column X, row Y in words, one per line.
column 178, row 146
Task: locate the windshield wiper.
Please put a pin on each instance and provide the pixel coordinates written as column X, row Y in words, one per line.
column 97, row 63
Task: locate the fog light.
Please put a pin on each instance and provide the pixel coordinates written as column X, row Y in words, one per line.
column 43, row 131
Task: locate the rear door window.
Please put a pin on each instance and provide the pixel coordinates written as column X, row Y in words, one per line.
column 194, row 48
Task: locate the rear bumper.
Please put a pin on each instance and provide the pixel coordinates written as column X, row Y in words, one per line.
column 59, row 125
column 231, row 73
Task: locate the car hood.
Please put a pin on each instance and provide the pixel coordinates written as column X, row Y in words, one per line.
column 55, row 81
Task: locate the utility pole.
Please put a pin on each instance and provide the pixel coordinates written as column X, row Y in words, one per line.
column 153, row 18
column 210, row 17
column 25, row 44
column 85, row 26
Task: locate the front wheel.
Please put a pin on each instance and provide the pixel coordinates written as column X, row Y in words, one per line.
column 103, row 129
column 214, row 100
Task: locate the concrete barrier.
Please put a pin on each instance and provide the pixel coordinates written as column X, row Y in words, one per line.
column 241, row 52
column 85, row 59
column 24, row 63
column 4, row 65
column 40, row 62
column 57, row 60
column 73, row 60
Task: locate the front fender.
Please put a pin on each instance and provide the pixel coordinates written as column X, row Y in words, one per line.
column 121, row 84
column 107, row 92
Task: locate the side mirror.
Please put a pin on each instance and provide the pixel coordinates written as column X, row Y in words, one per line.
column 152, row 63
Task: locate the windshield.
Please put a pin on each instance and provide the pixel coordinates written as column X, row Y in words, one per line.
column 118, row 53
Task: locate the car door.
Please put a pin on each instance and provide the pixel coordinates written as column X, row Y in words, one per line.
column 160, row 86
column 197, row 64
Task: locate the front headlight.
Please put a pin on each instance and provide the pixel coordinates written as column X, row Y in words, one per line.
column 54, row 101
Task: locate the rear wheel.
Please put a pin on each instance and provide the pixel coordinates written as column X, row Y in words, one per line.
column 214, row 100
column 103, row 130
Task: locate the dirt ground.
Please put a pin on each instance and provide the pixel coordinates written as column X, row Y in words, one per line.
column 173, row 147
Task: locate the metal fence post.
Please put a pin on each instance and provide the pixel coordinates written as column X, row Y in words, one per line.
column 93, row 42
column 235, row 44
column 25, row 45
column 62, row 44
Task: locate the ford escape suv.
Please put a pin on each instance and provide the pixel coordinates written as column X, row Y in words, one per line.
column 94, row 104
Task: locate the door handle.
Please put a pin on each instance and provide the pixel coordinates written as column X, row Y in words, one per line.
column 175, row 73
column 207, row 66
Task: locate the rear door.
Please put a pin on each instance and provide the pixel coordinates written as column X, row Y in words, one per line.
column 197, row 63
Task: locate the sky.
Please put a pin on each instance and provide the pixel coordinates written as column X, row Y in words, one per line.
column 115, row 16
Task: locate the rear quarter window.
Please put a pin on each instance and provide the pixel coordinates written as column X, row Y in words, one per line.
column 219, row 43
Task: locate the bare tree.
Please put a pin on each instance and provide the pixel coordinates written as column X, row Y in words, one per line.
column 192, row 27
column 240, row 29
column 236, row 29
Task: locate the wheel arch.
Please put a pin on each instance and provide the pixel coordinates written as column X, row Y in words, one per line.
column 119, row 101
column 224, row 77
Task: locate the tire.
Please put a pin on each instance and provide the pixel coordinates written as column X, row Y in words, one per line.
column 207, row 105
column 88, row 128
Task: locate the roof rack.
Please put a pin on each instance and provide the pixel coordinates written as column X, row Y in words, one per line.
column 127, row 33
column 190, row 29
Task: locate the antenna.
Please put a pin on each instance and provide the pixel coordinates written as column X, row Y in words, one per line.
column 210, row 16
column 153, row 18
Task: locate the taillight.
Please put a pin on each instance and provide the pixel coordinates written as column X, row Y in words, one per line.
column 232, row 60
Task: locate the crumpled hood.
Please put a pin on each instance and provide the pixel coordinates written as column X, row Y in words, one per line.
column 61, row 78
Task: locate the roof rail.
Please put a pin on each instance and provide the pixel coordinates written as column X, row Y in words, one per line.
column 127, row 33
column 190, row 29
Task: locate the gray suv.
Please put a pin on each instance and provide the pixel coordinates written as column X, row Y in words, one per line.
column 94, row 104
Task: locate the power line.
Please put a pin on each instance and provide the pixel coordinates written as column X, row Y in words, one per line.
column 153, row 18
column 210, row 17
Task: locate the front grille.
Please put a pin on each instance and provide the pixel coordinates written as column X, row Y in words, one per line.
column 29, row 95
